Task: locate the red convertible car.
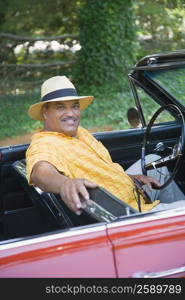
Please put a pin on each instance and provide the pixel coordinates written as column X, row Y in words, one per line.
column 40, row 238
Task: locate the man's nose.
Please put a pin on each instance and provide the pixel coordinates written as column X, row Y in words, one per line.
column 69, row 111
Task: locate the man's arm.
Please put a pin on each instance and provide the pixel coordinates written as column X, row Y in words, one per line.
column 48, row 179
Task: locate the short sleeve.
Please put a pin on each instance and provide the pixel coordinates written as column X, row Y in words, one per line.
column 44, row 151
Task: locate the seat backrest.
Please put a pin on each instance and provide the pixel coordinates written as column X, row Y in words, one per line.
column 11, row 194
column 12, row 153
column 41, row 199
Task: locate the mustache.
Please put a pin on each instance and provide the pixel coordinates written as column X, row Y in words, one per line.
column 69, row 118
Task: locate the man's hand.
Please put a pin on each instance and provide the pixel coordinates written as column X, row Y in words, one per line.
column 74, row 193
column 147, row 180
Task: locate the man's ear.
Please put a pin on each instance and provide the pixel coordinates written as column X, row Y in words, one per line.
column 44, row 112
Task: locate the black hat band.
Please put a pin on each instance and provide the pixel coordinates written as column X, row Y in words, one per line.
column 59, row 94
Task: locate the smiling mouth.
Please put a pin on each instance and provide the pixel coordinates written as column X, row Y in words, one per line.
column 69, row 121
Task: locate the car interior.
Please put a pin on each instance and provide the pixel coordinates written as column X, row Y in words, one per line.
column 26, row 210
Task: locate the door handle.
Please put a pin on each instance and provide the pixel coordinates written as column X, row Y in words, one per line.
column 170, row 272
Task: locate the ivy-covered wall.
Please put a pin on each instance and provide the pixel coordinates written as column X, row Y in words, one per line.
column 106, row 37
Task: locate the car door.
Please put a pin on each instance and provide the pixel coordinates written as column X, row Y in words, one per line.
column 151, row 245
column 80, row 252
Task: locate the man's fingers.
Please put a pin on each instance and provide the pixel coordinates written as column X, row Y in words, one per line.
column 75, row 194
column 72, row 200
column 149, row 185
column 154, row 183
column 83, row 192
column 90, row 184
column 76, row 201
column 80, row 195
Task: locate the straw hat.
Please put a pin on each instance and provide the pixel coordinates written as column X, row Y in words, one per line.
column 58, row 88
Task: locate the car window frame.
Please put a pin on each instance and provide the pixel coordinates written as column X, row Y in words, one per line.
column 138, row 83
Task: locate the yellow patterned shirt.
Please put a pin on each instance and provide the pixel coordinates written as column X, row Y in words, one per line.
column 83, row 157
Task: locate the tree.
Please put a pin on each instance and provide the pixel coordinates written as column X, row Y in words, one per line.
column 23, row 22
column 160, row 25
column 106, row 35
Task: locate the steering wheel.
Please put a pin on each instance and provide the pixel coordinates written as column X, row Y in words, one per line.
column 177, row 150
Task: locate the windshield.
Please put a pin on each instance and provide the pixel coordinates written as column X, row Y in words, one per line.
column 173, row 81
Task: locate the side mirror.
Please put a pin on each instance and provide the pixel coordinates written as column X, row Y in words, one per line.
column 133, row 117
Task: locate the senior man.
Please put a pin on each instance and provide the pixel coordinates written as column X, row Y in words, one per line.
column 64, row 158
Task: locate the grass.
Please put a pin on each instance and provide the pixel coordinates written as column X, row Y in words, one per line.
column 107, row 112
column 13, row 117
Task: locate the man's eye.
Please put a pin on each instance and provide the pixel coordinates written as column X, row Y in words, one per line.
column 76, row 106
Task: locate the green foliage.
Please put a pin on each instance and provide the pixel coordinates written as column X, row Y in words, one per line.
column 106, row 36
column 13, row 118
column 32, row 17
column 112, row 35
column 172, row 81
column 160, row 26
column 107, row 112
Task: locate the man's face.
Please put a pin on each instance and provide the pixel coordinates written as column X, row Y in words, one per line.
column 62, row 116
